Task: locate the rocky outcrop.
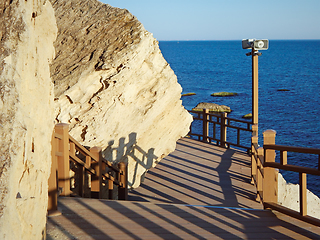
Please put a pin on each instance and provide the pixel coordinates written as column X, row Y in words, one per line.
column 213, row 107
column 26, row 100
column 113, row 86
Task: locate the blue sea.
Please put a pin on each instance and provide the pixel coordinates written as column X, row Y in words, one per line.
column 205, row 67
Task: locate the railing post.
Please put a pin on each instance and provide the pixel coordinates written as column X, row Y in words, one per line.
column 254, row 156
column 270, row 180
column 53, row 180
column 303, row 193
column 123, row 178
column 223, row 129
column 96, row 180
column 259, row 176
column 254, row 140
column 63, row 160
column 205, row 133
column 79, row 173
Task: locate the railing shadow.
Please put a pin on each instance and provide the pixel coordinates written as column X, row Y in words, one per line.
column 198, row 175
column 130, row 152
column 102, row 219
column 203, row 204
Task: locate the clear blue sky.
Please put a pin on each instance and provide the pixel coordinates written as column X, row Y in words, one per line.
column 226, row 19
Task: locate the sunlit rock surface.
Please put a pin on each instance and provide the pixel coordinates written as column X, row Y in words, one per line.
column 289, row 197
column 113, row 86
column 27, row 32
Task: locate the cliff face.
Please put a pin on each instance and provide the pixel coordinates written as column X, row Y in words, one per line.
column 113, row 86
column 27, row 32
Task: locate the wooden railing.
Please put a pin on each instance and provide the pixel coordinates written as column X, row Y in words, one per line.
column 214, row 124
column 81, row 172
column 265, row 174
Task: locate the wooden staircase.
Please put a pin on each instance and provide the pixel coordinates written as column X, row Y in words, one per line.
column 79, row 171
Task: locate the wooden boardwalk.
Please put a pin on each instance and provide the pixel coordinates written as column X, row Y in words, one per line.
column 200, row 191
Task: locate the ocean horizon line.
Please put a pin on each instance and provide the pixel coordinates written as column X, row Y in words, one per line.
column 233, row 40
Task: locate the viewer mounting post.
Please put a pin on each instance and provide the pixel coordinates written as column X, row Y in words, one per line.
column 255, row 46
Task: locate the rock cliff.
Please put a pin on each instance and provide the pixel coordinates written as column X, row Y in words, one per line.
column 289, row 197
column 27, row 31
column 113, row 86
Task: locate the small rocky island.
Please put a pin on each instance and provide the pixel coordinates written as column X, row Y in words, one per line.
column 213, row 107
column 224, row 94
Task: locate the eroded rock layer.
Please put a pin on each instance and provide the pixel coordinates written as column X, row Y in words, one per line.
column 27, row 32
column 113, row 86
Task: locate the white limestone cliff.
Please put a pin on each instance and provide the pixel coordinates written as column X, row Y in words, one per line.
column 113, row 86
column 27, row 31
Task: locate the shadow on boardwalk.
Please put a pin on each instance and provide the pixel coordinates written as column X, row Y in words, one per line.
column 200, row 174
column 198, row 192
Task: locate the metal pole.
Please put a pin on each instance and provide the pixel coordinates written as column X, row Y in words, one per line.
column 255, row 88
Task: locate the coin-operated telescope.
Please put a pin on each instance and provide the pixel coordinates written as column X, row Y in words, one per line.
column 255, row 44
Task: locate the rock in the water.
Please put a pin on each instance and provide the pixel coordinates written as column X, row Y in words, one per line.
column 247, row 116
column 213, row 107
column 188, row 94
column 224, row 94
column 113, row 86
column 28, row 29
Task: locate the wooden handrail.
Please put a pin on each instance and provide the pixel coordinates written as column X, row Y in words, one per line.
column 66, row 149
column 219, row 116
column 293, row 168
column 84, row 151
column 82, row 148
column 292, row 149
column 225, row 123
column 263, row 177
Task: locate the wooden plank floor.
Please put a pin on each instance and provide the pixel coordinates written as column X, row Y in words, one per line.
column 198, row 192
column 200, row 174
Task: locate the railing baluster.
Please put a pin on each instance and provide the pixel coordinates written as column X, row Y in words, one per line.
column 80, row 171
column 88, row 161
column 85, row 177
column 223, row 134
column 110, row 189
column 81, row 176
column 259, row 174
column 254, row 140
column 303, row 193
column 123, row 179
column 238, row 136
column 205, row 125
column 283, row 157
column 254, row 157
